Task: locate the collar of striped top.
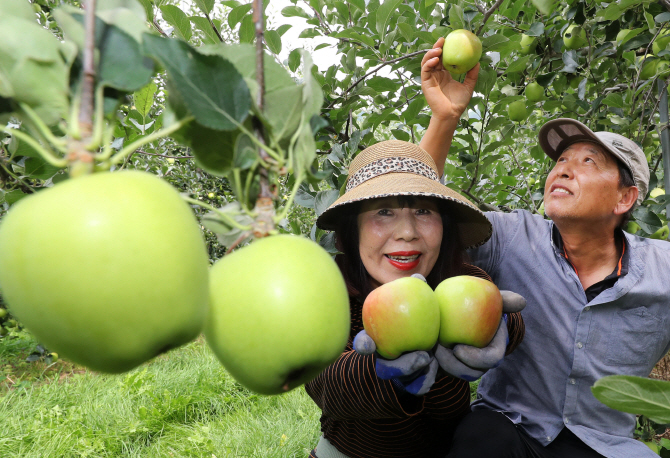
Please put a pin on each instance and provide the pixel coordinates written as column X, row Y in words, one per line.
column 391, row 165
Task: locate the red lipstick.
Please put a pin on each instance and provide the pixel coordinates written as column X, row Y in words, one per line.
column 404, row 265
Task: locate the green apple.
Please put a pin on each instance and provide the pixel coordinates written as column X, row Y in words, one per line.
column 517, row 111
column 632, row 227
column 108, row 269
column 3, row 331
column 402, row 315
column 461, row 51
column 541, row 209
column 661, row 234
column 3, row 313
column 534, row 92
column 528, row 44
column 279, row 313
column 661, row 42
column 574, row 37
column 211, row 195
column 649, row 65
column 470, row 311
column 657, row 192
column 54, row 357
column 170, row 160
column 532, row 181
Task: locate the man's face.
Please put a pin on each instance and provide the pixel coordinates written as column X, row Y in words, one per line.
column 583, row 186
column 397, row 241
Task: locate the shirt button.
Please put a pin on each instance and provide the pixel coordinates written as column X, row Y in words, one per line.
column 548, row 438
column 586, row 309
column 566, row 420
column 572, row 381
column 580, row 345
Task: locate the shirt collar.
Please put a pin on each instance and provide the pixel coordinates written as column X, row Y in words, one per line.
column 621, row 268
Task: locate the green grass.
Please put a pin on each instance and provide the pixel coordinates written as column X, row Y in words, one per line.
column 182, row 404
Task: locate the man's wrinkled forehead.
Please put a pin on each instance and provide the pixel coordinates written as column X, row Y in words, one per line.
column 593, row 147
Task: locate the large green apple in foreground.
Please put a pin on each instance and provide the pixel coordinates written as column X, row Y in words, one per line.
column 279, row 313
column 108, row 269
column 470, row 311
column 574, row 37
column 461, row 51
column 402, row 315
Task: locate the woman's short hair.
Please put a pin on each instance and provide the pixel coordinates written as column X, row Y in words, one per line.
column 450, row 261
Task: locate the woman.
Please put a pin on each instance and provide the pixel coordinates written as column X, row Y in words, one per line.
column 395, row 220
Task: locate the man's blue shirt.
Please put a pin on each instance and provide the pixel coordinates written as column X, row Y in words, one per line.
column 545, row 384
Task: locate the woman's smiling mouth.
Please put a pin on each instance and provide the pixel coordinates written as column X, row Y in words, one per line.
column 404, row 260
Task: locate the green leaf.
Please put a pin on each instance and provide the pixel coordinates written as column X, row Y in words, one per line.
column 282, row 29
column 273, row 40
column 178, row 20
column 456, row 17
column 570, row 61
column 413, row 110
column 384, row 13
column 295, row 11
column 663, row 17
column 353, row 35
column 544, row 6
column 17, row 9
column 205, row 5
column 382, row 84
column 205, row 27
column 247, row 30
column 324, row 199
column 14, row 196
column 236, row 14
column 536, row 30
column 614, row 100
column 213, row 149
column 310, row 33
column 144, row 98
column 406, row 30
column 294, row 60
column 400, row 134
column 494, row 43
column 246, row 153
column 211, row 87
column 637, row 395
column 148, row 9
column 518, row 65
column 36, row 167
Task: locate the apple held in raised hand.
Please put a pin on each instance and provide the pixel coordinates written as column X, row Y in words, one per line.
column 402, row 315
column 461, row 51
column 470, row 311
column 279, row 313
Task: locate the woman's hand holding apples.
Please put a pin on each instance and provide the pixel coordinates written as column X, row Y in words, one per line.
column 413, row 372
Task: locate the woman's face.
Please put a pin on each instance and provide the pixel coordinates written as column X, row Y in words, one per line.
column 397, row 242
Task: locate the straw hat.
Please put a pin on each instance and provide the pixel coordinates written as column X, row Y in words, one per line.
column 397, row 168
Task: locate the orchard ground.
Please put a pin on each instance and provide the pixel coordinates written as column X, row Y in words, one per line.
column 182, row 403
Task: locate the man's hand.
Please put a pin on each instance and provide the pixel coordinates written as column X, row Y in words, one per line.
column 413, row 372
column 447, row 98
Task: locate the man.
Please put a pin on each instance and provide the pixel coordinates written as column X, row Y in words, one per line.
column 598, row 299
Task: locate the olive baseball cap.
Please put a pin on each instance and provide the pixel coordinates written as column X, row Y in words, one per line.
column 556, row 135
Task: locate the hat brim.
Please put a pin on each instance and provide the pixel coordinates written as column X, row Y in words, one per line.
column 556, row 135
column 473, row 227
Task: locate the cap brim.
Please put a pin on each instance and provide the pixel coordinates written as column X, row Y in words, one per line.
column 556, row 135
column 473, row 227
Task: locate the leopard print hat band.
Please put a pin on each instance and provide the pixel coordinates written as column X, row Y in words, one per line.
column 390, row 165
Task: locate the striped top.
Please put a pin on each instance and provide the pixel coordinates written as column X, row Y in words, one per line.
column 366, row 417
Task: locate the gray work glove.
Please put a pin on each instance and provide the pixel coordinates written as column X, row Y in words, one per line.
column 470, row 363
column 413, row 372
